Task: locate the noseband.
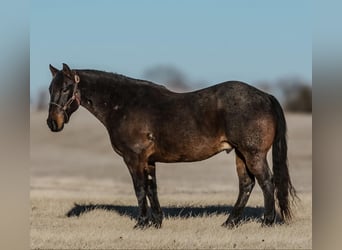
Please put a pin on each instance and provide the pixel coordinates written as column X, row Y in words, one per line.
column 72, row 98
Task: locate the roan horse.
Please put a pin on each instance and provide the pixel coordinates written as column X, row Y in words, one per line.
column 147, row 123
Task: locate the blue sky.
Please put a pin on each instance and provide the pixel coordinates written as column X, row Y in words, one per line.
column 210, row 41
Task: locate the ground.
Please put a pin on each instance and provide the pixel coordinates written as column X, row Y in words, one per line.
column 82, row 195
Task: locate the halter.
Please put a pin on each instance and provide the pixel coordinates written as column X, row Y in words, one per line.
column 72, row 98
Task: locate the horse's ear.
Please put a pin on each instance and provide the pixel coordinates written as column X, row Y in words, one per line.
column 66, row 69
column 53, row 70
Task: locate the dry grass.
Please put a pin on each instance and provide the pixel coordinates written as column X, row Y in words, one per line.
column 78, row 166
column 109, row 229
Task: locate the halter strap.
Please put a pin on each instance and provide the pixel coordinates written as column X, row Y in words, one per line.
column 63, row 108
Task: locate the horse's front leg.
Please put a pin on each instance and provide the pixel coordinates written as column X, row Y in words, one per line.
column 137, row 171
column 156, row 212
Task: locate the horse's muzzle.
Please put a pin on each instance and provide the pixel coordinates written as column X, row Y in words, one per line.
column 54, row 126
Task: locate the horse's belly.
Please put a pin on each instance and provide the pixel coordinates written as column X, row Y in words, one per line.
column 192, row 152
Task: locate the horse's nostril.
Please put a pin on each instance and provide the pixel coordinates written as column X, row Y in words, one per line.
column 48, row 122
column 54, row 125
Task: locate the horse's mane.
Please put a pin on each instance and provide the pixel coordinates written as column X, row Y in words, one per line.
column 117, row 77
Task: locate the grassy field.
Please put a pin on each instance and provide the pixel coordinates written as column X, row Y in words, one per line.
column 82, row 196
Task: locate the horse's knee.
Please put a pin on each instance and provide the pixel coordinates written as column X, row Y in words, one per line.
column 267, row 183
column 248, row 187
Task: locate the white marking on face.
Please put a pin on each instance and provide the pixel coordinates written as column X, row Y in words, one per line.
column 149, row 177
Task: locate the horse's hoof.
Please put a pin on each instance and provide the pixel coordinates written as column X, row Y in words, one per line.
column 142, row 224
column 268, row 223
column 156, row 221
column 156, row 224
column 230, row 224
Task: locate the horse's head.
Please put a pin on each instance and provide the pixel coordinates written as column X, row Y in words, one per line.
column 64, row 97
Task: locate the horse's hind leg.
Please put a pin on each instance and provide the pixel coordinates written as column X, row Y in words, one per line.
column 156, row 212
column 246, row 184
column 257, row 164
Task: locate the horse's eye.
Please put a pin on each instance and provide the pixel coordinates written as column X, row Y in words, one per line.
column 65, row 90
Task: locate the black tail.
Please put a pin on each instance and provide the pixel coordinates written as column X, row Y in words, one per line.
column 284, row 190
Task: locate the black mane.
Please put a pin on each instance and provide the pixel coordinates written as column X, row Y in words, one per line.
column 115, row 77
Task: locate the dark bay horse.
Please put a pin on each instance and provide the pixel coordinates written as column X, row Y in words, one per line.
column 147, row 123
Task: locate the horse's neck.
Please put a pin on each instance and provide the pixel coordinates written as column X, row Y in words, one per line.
column 95, row 96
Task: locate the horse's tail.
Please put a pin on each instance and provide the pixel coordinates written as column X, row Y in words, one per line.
column 284, row 190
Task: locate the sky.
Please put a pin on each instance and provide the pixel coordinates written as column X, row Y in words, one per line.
column 209, row 41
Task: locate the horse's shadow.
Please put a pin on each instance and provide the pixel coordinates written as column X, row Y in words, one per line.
column 250, row 213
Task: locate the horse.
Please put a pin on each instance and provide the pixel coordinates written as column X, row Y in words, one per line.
column 147, row 123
